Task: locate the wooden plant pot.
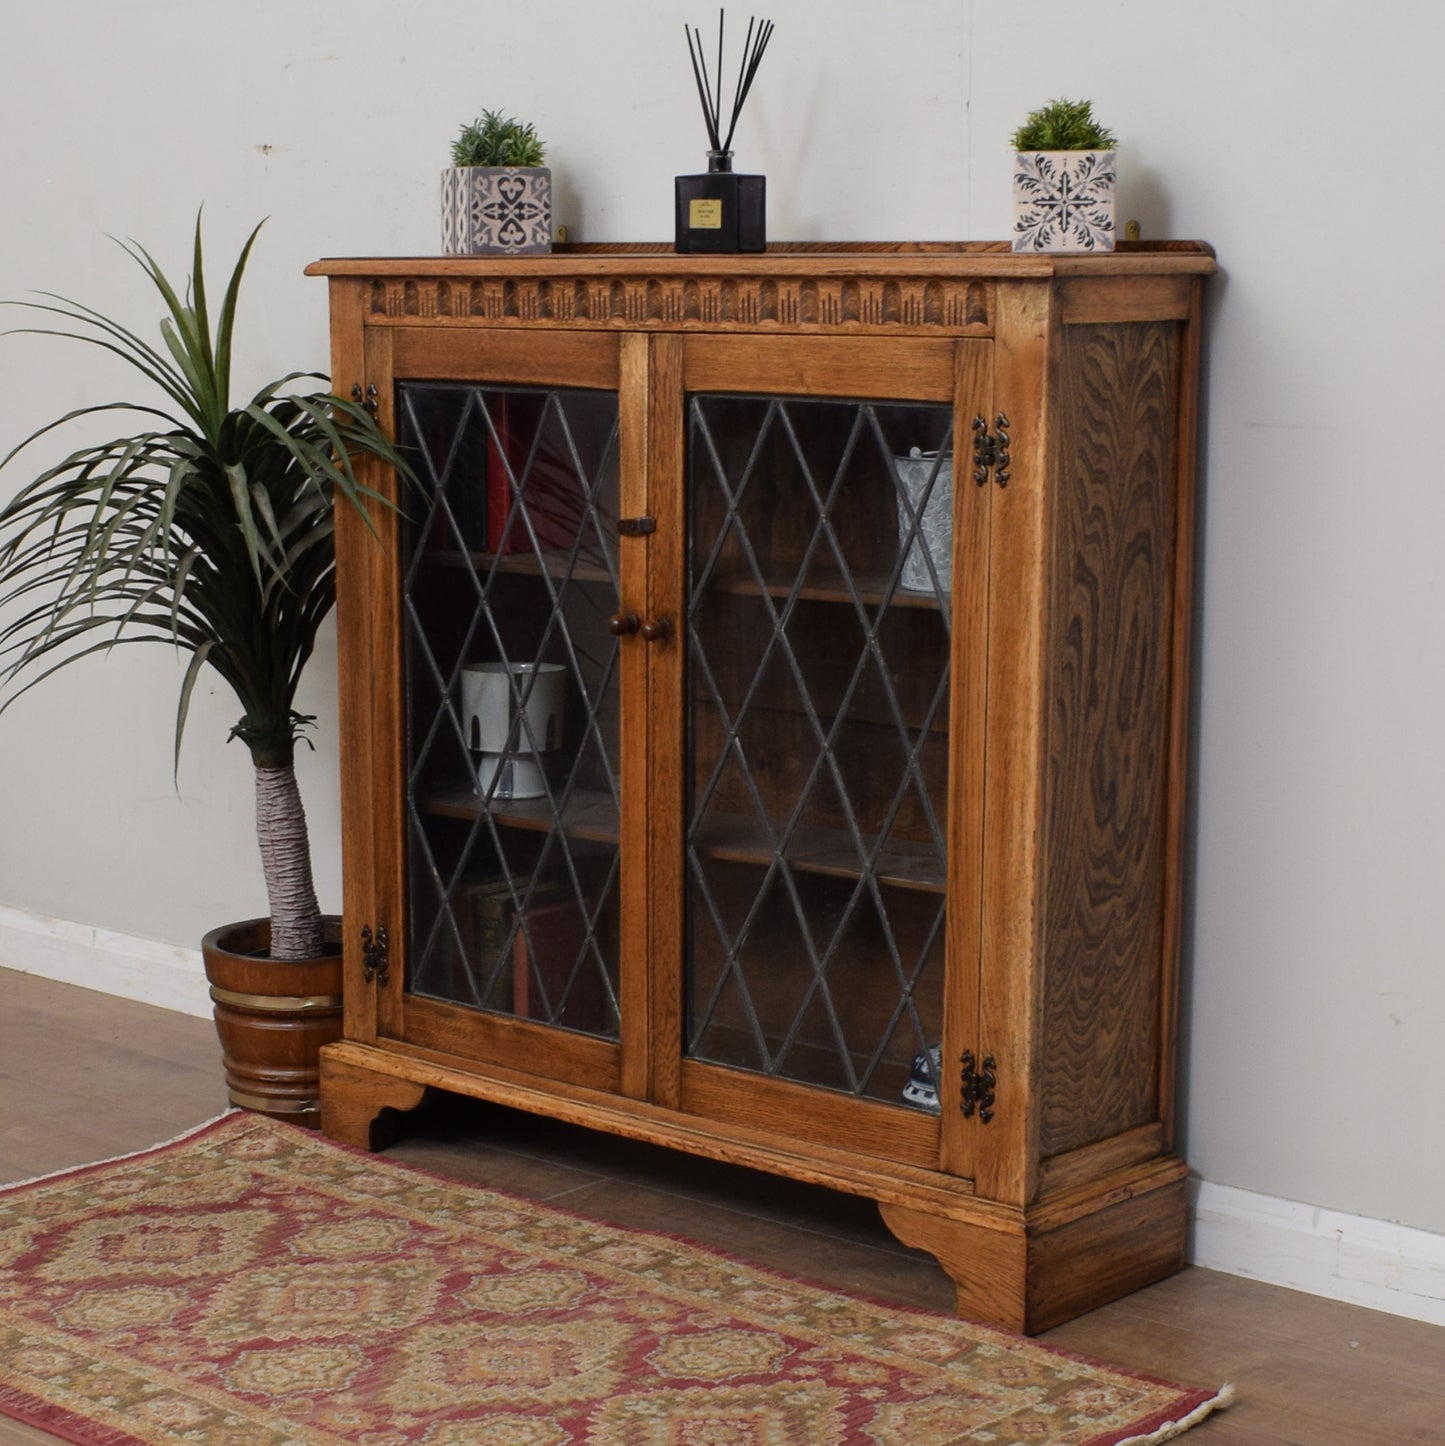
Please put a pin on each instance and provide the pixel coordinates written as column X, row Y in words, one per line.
column 273, row 1016
column 496, row 211
column 1064, row 202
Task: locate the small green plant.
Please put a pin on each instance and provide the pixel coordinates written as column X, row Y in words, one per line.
column 1063, row 125
column 494, row 139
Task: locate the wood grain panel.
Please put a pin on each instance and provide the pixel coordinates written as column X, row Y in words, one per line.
column 1132, row 1242
column 781, row 1108
column 537, row 1049
column 1108, row 676
column 913, row 371
column 533, row 358
column 1124, row 298
column 1078, row 1167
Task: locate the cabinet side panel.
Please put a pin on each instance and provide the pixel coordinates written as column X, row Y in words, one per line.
column 1108, row 678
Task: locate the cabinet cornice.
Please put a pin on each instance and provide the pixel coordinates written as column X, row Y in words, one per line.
column 864, row 289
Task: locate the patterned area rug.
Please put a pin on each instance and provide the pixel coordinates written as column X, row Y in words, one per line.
column 252, row 1284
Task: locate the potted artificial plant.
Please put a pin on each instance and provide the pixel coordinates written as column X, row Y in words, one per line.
column 497, row 194
column 210, row 529
column 1064, row 190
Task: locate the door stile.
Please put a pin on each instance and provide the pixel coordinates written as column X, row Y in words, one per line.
column 654, row 720
column 386, row 775
column 1006, row 1158
column 361, row 569
column 666, row 712
column 968, row 700
column 634, row 1002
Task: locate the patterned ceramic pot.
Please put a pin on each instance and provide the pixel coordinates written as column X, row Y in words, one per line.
column 496, row 211
column 1064, row 201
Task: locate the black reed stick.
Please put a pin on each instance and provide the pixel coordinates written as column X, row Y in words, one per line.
column 699, row 71
column 709, row 90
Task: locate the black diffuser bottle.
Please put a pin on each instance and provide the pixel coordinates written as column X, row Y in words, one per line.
column 720, row 211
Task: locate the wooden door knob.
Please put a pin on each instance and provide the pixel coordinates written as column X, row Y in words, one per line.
column 620, row 624
column 655, row 628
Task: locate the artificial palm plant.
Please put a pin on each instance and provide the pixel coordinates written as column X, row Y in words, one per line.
column 210, row 530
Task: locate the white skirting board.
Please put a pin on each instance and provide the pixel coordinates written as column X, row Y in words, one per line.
column 1374, row 1263
column 1350, row 1258
column 142, row 969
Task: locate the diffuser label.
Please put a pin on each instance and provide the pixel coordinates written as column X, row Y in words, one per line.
column 705, row 215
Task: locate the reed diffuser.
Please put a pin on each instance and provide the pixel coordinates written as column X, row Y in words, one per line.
column 721, row 211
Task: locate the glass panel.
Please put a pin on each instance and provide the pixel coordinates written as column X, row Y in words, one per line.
column 512, row 727
column 819, row 547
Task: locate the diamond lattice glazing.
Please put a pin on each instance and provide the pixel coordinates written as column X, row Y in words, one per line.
column 818, row 695
column 512, row 770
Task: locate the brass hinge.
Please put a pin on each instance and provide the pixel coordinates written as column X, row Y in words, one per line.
column 374, row 963
column 368, row 399
column 991, row 453
column 977, row 1087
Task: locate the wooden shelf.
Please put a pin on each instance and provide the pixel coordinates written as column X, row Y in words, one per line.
column 523, row 564
column 587, row 815
column 831, row 851
column 825, row 588
column 733, row 838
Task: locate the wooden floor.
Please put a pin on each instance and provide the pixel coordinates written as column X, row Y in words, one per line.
column 84, row 1076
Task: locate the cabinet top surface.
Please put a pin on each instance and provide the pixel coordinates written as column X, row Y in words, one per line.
column 813, row 258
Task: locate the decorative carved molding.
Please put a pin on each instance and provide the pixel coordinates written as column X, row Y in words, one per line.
column 853, row 304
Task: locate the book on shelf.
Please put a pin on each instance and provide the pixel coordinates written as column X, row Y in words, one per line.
column 486, row 916
column 545, row 956
column 553, row 496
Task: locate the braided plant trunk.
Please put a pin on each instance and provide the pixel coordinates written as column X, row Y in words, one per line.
column 286, row 862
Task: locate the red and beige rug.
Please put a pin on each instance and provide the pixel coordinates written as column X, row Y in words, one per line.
column 253, row 1284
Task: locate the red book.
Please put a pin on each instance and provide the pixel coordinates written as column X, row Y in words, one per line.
column 554, row 498
column 501, row 453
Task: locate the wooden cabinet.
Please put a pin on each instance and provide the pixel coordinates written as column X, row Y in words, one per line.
column 764, row 735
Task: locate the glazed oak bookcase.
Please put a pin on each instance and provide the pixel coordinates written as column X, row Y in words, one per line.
column 834, row 605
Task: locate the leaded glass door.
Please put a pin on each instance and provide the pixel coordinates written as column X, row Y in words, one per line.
column 819, row 657
column 512, row 733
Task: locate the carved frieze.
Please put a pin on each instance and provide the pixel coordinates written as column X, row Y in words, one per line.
column 888, row 305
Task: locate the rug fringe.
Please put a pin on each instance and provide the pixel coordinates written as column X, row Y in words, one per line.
column 1170, row 1429
column 184, row 1135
